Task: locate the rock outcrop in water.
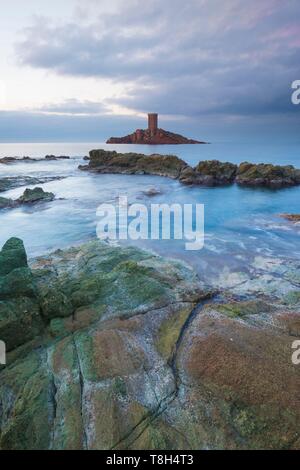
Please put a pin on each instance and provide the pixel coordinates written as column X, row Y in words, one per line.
column 30, row 196
column 262, row 174
column 115, row 348
column 7, row 160
column 12, row 182
column 153, row 136
column 103, row 161
column 206, row 173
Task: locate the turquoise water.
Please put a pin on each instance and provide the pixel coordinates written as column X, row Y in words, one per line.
column 241, row 224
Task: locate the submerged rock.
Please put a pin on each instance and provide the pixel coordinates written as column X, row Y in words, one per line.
column 6, row 203
column 127, row 350
column 12, row 182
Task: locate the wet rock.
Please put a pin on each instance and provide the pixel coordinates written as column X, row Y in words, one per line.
column 6, row 203
column 268, row 175
column 31, row 196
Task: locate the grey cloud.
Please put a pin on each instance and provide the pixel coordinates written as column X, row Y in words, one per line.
column 194, row 58
column 74, row 106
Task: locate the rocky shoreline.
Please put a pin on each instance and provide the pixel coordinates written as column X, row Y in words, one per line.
column 206, row 173
column 117, row 348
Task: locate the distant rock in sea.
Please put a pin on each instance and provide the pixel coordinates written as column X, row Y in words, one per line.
column 153, row 136
column 7, row 160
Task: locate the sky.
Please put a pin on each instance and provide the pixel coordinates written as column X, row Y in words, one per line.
column 212, row 69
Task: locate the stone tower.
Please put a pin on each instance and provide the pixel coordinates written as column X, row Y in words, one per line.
column 152, row 123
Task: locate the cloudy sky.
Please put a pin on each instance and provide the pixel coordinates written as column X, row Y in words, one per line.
column 213, row 69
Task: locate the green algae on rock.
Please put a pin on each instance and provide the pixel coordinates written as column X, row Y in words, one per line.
column 35, row 195
column 115, row 350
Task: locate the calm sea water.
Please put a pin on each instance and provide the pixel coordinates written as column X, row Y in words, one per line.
column 241, row 224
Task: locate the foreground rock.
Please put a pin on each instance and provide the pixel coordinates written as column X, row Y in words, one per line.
column 206, row 173
column 20, row 319
column 126, row 350
column 30, row 196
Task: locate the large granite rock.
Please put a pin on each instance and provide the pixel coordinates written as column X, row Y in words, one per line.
column 136, row 353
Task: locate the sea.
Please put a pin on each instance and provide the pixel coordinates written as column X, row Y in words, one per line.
column 243, row 227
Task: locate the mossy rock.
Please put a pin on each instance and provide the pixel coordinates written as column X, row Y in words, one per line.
column 243, row 309
column 35, row 195
column 12, row 256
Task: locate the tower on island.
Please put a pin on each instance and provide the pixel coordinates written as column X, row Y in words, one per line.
column 152, row 123
column 152, row 135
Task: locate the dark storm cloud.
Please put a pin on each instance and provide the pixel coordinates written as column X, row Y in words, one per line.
column 191, row 58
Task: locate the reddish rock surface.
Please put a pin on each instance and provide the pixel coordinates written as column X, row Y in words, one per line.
column 152, row 136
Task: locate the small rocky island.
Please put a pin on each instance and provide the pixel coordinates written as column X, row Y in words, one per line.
column 153, row 135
